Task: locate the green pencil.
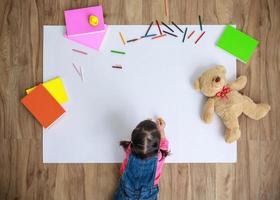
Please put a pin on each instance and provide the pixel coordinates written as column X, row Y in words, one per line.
column 119, row 52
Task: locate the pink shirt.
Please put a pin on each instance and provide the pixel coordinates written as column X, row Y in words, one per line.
column 163, row 145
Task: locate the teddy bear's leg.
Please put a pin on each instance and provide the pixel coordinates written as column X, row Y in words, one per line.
column 253, row 110
column 232, row 132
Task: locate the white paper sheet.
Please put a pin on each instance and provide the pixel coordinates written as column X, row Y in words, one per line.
column 156, row 80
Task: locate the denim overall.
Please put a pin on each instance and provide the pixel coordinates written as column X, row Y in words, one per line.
column 137, row 181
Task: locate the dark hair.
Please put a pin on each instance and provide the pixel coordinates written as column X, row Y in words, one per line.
column 145, row 140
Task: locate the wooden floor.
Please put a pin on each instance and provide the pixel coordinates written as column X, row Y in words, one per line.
column 255, row 176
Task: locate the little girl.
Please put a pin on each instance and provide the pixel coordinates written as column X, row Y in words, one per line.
column 142, row 166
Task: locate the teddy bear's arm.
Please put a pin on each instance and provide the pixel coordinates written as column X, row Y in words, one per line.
column 208, row 111
column 239, row 84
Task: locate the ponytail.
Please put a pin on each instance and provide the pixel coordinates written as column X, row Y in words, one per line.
column 125, row 144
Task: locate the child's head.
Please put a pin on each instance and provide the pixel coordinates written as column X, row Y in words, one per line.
column 145, row 140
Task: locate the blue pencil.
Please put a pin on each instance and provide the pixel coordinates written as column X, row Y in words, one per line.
column 151, row 35
column 149, row 28
column 185, row 34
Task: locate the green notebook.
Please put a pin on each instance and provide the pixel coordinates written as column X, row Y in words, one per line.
column 237, row 43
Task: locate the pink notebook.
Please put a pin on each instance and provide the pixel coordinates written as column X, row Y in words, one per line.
column 77, row 20
column 79, row 30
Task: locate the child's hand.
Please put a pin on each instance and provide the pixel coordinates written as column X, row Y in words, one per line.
column 161, row 126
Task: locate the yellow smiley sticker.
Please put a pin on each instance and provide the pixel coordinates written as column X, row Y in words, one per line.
column 93, row 20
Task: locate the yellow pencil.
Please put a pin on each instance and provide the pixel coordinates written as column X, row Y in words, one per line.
column 122, row 37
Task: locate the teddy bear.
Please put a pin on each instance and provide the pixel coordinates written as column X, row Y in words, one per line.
column 226, row 101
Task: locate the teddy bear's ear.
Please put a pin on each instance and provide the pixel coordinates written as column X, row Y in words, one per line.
column 221, row 68
column 196, row 85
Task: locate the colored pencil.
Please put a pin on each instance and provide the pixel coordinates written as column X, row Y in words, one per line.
column 132, row 40
column 164, row 24
column 82, row 76
column 166, row 7
column 199, row 18
column 177, row 27
column 117, row 66
column 151, row 35
column 199, row 37
column 79, row 51
column 78, row 72
column 191, row 34
column 119, row 52
column 149, row 28
column 159, row 36
column 122, row 37
column 170, row 34
column 158, row 27
column 76, row 69
column 185, row 34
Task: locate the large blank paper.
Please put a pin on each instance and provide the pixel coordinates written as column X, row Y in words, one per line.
column 156, row 80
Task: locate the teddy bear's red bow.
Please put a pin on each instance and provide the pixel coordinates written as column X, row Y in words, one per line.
column 223, row 93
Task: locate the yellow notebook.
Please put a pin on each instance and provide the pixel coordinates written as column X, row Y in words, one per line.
column 56, row 88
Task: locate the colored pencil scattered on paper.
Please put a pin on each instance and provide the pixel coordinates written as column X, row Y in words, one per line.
column 79, row 72
column 122, row 38
column 82, row 76
column 149, row 28
column 132, row 40
column 166, row 7
column 177, row 27
column 199, row 37
column 159, row 36
column 185, row 34
column 170, row 34
column 151, row 35
column 158, row 27
column 117, row 66
column 191, row 34
column 79, row 51
column 199, row 18
column 164, row 24
column 119, row 52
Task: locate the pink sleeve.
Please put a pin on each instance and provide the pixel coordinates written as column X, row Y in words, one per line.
column 124, row 163
column 164, row 145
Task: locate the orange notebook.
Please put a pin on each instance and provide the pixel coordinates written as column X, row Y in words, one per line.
column 43, row 106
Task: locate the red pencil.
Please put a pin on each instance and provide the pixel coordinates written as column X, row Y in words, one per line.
column 191, row 34
column 159, row 36
column 158, row 27
column 199, row 37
